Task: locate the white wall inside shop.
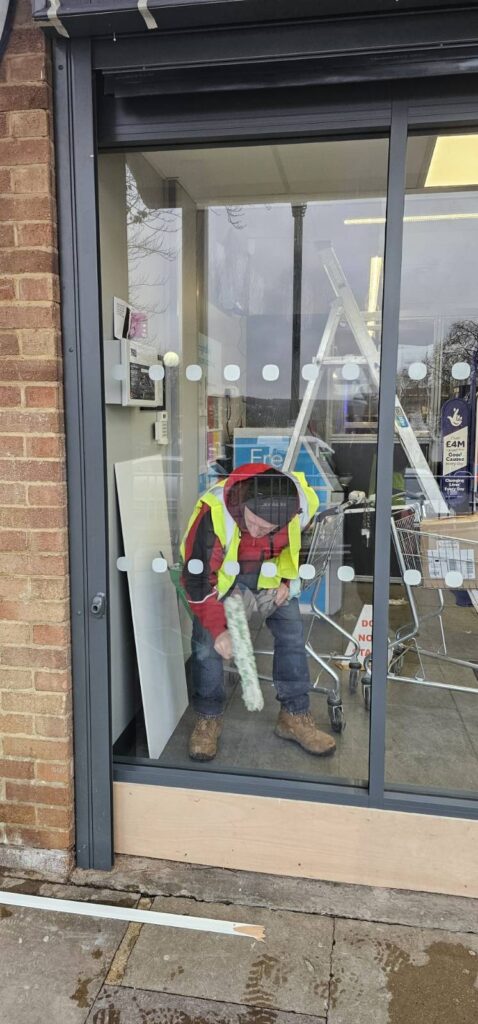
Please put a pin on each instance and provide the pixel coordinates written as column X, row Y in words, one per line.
column 129, row 433
column 155, row 268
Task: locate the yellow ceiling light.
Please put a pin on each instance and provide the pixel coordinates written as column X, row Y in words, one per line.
column 374, row 283
column 375, row 274
column 454, row 162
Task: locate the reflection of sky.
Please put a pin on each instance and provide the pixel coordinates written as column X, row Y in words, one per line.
column 250, row 270
column 251, row 273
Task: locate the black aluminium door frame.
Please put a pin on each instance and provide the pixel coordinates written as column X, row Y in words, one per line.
column 76, row 154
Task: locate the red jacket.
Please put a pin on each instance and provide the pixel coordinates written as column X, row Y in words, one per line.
column 202, row 543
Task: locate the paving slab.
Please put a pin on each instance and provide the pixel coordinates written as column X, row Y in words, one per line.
column 52, row 965
column 392, row 906
column 392, row 975
column 290, row 971
column 118, row 1005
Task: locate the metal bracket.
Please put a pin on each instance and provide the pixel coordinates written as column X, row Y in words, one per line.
column 98, row 605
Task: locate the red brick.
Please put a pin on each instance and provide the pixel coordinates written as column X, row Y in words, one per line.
column 32, row 470
column 12, row 493
column 20, row 70
column 52, row 726
column 10, row 769
column 44, row 750
column 39, row 289
column 39, row 703
column 47, row 448
column 23, row 261
column 39, row 397
column 9, row 344
column 14, row 587
column 28, row 40
column 40, row 612
column 29, row 124
column 7, row 235
column 50, row 589
column 30, row 422
column 5, row 182
column 34, row 657
column 12, row 444
column 15, row 633
column 47, row 540
column 51, row 772
column 29, row 316
column 39, row 837
column 52, row 495
column 51, row 636
column 52, row 682
column 13, row 540
column 17, row 725
column 17, row 813
column 10, row 396
column 37, row 178
column 55, row 817
column 7, row 290
column 41, row 343
column 26, row 207
column 36, row 793
column 24, row 97
column 16, row 679
column 34, row 518
column 29, row 370
column 41, row 234
column 15, row 152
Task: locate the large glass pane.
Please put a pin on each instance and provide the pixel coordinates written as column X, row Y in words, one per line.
column 432, row 727
column 248, row 335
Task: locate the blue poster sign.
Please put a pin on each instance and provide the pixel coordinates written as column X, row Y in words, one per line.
column 455, row 431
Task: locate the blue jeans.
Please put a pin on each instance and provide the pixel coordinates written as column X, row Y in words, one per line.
column 290, row 670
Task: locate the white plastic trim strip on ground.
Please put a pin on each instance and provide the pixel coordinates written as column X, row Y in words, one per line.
column 199, row 924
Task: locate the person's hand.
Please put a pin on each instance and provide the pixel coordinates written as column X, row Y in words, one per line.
column 223, row 645
column 282, row 595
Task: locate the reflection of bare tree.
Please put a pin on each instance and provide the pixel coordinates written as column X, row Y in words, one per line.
column 157, row 232
column 459, row 346
column 151, row 233
column 423, row 399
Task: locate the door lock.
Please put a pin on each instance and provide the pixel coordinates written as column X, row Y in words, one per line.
column 98, row 605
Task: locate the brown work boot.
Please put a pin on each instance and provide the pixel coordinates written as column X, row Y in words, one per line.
column 204, row 737
column 303, row 730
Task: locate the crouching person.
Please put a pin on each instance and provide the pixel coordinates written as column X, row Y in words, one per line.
column 255, row 516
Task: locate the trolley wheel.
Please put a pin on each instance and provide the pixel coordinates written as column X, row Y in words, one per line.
column 396, row 665
column 354, row 676
column 337, row 719
column 367, row 690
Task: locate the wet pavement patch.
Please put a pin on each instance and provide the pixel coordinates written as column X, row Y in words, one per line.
column 397, row 975
column 288, row 972
column 119, row 1005
column 52, row 965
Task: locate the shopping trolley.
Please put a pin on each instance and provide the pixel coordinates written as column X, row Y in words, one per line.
column 328, row 527
column 415, row 548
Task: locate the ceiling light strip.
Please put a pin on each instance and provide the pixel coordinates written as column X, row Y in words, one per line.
column 413, row 220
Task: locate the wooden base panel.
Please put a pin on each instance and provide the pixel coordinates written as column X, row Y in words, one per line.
column 288, row 837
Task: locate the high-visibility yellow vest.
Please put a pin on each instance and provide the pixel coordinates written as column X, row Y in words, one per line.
column 228, row 533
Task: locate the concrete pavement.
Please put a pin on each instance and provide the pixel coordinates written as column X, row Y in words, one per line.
column 334, row 954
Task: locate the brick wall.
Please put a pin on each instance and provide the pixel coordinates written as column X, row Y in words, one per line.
column 35, row 697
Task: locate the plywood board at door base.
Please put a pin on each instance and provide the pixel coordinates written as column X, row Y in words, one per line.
column 292, row 837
